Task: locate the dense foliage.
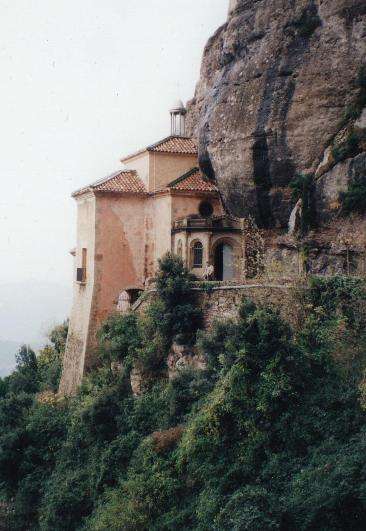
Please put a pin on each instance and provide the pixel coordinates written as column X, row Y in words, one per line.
column 270, row 436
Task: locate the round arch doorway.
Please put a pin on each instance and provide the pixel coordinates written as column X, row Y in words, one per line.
column 224, row 261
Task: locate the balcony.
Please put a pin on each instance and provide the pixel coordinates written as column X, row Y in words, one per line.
column 213, row 224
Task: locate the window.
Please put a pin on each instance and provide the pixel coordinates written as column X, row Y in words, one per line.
column 197, row 255
column 205, row 209
column 180, row 249
column 81, row 271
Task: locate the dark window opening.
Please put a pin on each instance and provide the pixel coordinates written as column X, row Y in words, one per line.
column 205, row 209
column 224, row 262
column 81, row 271
column 197, row 255
column 80, row 274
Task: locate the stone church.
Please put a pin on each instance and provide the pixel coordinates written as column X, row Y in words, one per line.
column 158, row 201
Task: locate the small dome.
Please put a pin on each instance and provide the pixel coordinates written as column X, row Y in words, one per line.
column 178, row 106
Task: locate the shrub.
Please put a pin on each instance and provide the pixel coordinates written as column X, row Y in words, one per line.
column 349, row 148
column 270, row 436
column 308, row 22
column 173, row 315
column 354, row 199
column 120, row 338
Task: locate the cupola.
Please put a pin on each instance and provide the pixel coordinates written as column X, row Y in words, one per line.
column 178, row 119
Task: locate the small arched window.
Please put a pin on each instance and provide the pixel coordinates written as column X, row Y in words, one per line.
column 197, row 251
column 180, row 249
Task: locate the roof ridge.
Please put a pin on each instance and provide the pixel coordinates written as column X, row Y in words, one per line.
column 190, row 172
column 118, row 174
column 170, row 137
column 193, row 179
column 111, row 176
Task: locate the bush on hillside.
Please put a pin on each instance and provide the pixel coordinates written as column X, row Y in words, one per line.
column 270, row 436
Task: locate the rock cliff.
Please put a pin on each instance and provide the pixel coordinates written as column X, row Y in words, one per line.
column 280, row 97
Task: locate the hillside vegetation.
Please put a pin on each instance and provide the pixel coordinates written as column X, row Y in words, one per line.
column 272, row 435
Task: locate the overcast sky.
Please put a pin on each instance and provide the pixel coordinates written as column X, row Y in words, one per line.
column 82, row 82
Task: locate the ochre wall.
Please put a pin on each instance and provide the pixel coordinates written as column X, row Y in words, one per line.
column 166, row 167
column 184, row 205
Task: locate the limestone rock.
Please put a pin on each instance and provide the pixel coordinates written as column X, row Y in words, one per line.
column 295, row 218
column 329, row 186
column 327, row 162
column 275, row 81
column 182, row 357
column 360, row 124
column 137, row 379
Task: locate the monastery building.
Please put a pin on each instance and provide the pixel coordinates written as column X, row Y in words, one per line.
column 158, row 202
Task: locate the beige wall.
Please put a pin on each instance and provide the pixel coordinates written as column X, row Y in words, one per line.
column 166, row 167
column 140, row 163
column 159, row 169
column 73, row 365
column 188, row 204
column 158, row 219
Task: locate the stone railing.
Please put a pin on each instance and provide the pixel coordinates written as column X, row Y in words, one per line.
column 215, row 224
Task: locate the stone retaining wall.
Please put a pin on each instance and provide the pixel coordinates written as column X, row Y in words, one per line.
column 222, row 300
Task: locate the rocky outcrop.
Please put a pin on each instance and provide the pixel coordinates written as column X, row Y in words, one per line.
column 182, row 357
column 275, row 82
column 330, row 186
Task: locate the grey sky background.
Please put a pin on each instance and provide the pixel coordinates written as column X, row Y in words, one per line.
column 82, row 82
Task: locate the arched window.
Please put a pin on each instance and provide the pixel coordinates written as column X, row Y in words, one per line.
column 180, row 249
column 197, row 255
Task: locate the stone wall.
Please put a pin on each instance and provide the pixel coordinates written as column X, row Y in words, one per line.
column 222, row 300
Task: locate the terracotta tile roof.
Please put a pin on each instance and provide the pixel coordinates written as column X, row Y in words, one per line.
column 172, row 144
column 175, row 144
column 120, row 182
column 193, row 181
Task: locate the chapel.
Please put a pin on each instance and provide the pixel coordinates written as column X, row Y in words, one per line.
column 158, row 201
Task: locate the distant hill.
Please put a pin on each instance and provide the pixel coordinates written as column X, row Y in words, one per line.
column 8, row 349
column 28, row 311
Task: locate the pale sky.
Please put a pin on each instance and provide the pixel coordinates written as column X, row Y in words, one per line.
column 82, row 83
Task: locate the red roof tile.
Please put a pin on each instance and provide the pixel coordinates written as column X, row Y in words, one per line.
column 121, row 182
column 171, row 144
column 193, row 181
column 175, row 144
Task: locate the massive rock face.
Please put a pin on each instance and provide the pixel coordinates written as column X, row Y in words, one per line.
column 275, row 82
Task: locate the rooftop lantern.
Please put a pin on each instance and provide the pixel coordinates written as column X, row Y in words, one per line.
column 178, row 119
